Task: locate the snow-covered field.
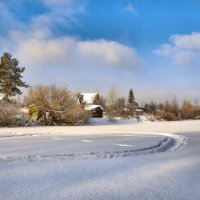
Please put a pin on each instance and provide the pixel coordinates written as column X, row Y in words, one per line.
column 126, row 160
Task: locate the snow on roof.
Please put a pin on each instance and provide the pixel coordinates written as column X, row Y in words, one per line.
column 139, row 110
column 88, row 98
column 91, row 107
column 24, row 110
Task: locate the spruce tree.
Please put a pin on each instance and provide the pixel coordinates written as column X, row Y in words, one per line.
column 10, row 76
column 131, row 104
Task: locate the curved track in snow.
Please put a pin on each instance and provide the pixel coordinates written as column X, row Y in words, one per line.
column 171, row 142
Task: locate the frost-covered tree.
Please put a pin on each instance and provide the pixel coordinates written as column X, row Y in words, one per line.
column 10, row 76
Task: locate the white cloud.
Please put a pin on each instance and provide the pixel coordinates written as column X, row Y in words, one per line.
column 8, row 20
column 69, row 51
column 63, row 11
column 108, row 53
column 186, row 57
column 129, row 8
column 184, row 49
column 191, row 42
column 56, row 3
column 44, row 53
column 40, row 48
column 164, row 50
column 58, row 13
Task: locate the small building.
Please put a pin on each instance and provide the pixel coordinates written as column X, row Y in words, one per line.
column 89, row 102
column 96, row 110
column 139, row 111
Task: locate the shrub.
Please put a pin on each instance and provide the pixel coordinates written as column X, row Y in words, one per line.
column 115, row 106
column 187, row 110
column 52, row 105
column 165, row 116
column 8, row 114
column 77, row 116
column 125, row 114
column 196, row 111
column 34, row 111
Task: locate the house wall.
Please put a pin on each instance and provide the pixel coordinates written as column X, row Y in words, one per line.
column 97, row 112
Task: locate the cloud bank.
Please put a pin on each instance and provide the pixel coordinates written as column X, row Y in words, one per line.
column 44, row 50
column 183, row 49
column 36, row 44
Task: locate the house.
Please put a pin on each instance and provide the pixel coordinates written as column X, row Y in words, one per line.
column 139, row 111
column 96, row 110
column 89, row 101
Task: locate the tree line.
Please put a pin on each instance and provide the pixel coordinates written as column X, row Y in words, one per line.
column 172, row 110
column 53, row 105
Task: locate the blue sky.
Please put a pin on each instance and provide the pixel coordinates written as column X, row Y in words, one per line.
column 152, row 46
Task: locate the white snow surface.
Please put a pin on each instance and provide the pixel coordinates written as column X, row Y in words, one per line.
column 168, row 168
column 114, row 121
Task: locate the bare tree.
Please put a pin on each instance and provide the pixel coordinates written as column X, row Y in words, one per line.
column 112, row 97
column 111, row 101
column 187, row 110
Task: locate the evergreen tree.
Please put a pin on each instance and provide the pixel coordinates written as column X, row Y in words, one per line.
column 99, row 100
column 10, row 76
column 131, row 100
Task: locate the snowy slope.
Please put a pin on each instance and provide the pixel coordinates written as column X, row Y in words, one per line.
column 171, row 174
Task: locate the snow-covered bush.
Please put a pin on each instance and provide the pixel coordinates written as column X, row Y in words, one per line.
column 55, row 106
column 77, row 116
column 8, row 114
column 11, row 115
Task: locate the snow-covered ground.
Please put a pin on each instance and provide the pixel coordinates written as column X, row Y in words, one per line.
column 129, row 160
